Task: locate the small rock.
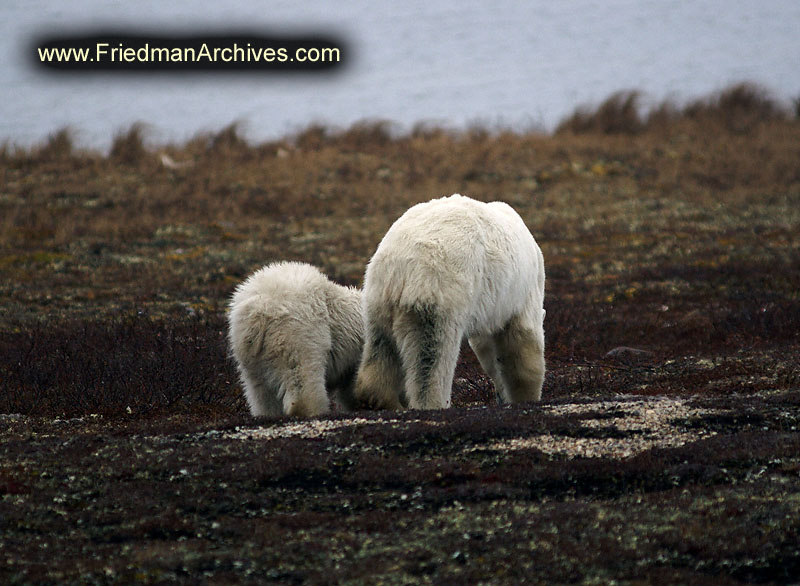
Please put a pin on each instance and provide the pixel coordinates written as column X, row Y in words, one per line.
column 171, row 163
column 629, row 355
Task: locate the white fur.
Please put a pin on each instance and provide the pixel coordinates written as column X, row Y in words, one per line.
column 448, row 269
column 293, row 333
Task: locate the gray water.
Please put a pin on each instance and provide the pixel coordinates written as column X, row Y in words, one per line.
column 519, row 65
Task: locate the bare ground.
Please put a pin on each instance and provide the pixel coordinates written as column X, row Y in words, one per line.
column 633, row 490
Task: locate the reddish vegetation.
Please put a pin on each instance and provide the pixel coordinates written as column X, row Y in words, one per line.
column 671, row 247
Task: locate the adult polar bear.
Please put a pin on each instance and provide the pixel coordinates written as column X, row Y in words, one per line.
column 293, row 332
column 449, row 268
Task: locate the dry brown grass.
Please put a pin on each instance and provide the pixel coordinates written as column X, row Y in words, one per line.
column 676, row 230
column 736, row 109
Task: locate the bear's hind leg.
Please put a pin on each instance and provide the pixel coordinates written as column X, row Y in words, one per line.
column 261, row 394
column 304, row 393
column 429, row 344
column 520, row 353
column 379, row 382
column 486, row 352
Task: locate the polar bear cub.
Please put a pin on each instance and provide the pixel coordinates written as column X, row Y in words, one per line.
column 447, row 269
column 294, row 333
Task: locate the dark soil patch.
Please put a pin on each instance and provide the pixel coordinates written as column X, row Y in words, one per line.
column 396, row 499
